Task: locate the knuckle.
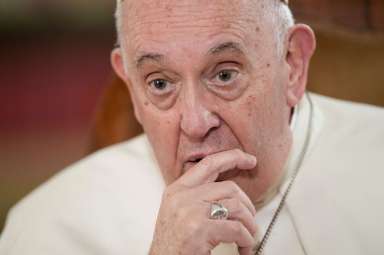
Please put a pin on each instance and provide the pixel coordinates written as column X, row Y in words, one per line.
column 237, row 228
column 237, row 206
column 234, row 189
column 194, row 227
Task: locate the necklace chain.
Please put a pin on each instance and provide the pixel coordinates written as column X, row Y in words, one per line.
column 260, row 247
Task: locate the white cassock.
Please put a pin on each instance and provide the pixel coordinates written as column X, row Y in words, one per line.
column 107, row 203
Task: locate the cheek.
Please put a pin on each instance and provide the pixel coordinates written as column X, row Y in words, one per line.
column 162, row 131
column 256, row 117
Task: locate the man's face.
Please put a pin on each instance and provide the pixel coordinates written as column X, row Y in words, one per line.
column 206, row 77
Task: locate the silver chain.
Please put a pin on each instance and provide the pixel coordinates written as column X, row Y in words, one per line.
column 260, row 247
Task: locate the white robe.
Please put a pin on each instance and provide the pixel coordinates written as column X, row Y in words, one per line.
column 107, row 203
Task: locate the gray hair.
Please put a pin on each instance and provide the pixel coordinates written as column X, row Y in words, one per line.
column 279, row 12
column 283, row 18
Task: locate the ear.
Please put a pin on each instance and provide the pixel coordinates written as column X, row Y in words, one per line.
column 301, row 44
column 118, row 65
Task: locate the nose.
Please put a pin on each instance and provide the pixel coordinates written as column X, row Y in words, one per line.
column 196, row 118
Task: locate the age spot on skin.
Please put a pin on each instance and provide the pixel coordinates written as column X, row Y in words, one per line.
column 268, row 65
column 146, row 103
column 250, row 101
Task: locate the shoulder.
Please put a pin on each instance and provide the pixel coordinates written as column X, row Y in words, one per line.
column 341, row 179
column 341, row 110
column 95, row 197
column 337, row 194
column 351, row 138
column 355, row 124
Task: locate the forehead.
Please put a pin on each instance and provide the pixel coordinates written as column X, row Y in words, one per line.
column 148, row 22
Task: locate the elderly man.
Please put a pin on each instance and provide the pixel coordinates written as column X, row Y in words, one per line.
column 236, row 157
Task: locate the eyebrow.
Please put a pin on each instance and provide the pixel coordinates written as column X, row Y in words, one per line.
column 226, row 46
column 222, row 47
column 148, row 57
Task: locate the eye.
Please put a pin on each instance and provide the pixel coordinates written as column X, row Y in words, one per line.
column 160, row 86
column 226, row 76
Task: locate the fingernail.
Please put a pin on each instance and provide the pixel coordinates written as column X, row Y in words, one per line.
column 253, row 159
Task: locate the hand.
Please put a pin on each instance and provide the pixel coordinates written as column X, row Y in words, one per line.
column 183, row 225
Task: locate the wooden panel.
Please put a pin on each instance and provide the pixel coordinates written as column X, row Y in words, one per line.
column 351, row 14
column 377, row 15
column 348, row 67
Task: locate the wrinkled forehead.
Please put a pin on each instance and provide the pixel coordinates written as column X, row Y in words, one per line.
column 161, row 21
column 142, row 8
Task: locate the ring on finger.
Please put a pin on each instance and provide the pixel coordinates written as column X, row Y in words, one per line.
column 218, row 211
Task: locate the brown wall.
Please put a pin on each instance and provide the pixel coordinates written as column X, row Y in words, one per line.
column 349, row 66
column 353, row 15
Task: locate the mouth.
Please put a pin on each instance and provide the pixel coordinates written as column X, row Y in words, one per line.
column 196, row 159
column 193, row 160
column 190, row 163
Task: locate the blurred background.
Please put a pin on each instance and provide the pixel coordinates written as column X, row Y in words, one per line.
column 59, row 99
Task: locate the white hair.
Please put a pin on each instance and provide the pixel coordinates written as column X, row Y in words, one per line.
column 119, row 21
column 283, row 19
column 279, row 12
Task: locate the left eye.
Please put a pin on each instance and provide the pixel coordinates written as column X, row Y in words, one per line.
column 226, row 76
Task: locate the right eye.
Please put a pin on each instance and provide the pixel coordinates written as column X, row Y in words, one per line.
column 159, row 84
column 160, row 87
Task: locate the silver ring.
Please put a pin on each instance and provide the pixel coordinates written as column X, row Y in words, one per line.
column 219, row 212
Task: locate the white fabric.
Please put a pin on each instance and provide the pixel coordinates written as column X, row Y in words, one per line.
column 107, row 203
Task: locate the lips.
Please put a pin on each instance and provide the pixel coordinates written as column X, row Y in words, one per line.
column 196, row 158
column 193, row 160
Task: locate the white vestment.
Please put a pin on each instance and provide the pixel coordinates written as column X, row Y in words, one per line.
column 107, row 203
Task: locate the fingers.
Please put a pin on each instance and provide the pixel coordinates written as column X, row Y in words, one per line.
column 228, row 231
column 230, row 196
column 222, row 190
column 247, row 251
column 208, row 169
column 237, row 211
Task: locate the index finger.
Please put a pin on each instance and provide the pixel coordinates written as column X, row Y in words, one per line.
column 208, row 169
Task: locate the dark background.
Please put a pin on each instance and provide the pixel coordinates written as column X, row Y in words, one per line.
column 54, row 68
